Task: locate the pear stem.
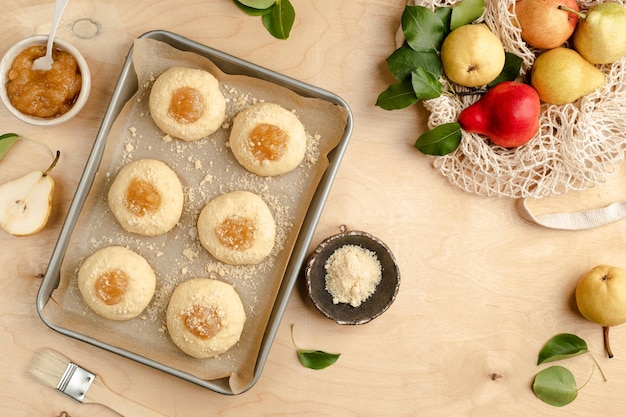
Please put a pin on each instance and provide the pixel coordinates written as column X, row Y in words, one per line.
column 54, row 162
column 578, row 13
column 607, row 345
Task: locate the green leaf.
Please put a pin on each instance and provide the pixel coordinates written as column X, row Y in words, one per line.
column 404, row 60
column 466, row 12
column 316, row 359
column 257, row 4
column 6, row 141
column 445, row 14
column 252, row 11
column 562, row 346
column 425, row 84
column 555, row 386
column 422, row 28
column 397, row 96
column 280, row 19
column 512, row 66
column 441, row 140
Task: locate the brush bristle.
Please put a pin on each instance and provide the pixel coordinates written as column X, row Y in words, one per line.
column 48, row 367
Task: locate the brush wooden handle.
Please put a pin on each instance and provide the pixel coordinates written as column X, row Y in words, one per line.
column 100, row 393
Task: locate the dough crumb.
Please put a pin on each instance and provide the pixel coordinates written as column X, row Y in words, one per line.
column 352, row 274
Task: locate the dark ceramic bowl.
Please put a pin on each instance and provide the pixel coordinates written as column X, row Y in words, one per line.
column 372, row 307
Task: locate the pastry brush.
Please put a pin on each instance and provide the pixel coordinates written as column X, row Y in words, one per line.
column 53, row 369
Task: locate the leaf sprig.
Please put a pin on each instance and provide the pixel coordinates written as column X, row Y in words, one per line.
column 314, row 359
column 7, row 140
column 556, row 385
column 417, row 67
column 278, row 16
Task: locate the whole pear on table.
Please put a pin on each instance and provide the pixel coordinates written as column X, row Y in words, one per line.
column 601, row 298
column 26, row 202
column 601, row 33
column 561, row 75
column 544, row 25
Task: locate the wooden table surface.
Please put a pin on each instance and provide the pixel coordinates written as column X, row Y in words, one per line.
column 482, row 289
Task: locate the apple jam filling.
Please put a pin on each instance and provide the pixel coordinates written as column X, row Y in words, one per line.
column 236, row 232
column 268, row 142
column 142, row 197
column 111, row 286
column 202, row 321
column 186, row 105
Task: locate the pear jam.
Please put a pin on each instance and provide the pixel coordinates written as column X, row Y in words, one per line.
column 268, row 142
column 43, row 93
column 111, row 286
column 186, row 105
column 202, row 321
column 142, row 197
column 236, row 232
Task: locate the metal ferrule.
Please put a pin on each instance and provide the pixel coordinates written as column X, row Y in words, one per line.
column 75, row 382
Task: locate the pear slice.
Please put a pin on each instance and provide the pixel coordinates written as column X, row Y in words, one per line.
column 26, row 202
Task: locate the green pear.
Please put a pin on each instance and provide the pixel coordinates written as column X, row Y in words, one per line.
column 26, row 202
column 561, row 75
column 600, row 36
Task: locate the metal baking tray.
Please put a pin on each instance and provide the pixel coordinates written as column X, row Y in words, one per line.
column 126, row 87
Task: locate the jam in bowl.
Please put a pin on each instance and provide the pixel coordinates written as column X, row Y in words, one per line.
column 44, row 97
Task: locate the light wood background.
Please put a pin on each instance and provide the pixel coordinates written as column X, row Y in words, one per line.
column 482, row 289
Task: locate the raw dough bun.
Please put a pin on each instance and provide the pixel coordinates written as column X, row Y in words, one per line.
column 187, row 103
column 205, row 317
column 268, row 140
column 237, row 228
column 146, row 197
column 116, row 283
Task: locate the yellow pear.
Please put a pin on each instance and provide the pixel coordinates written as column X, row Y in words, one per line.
column 26, row 202
column 601, row 298
column 562, row 76
column 472, row 55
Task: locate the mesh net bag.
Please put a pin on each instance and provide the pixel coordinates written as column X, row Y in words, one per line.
column 577, row 146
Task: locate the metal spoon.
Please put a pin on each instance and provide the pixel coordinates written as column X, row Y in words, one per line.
column 45, row 62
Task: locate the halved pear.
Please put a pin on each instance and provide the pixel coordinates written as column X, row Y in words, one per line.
column 26, row 202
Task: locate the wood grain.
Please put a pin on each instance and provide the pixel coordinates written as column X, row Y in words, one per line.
column 481, row 291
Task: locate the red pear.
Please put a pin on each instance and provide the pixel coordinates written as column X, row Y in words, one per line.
column 508, row 114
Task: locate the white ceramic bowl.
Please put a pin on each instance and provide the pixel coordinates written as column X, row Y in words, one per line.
column 7, row 61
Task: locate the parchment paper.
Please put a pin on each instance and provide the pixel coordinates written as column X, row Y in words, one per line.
column 207, row 169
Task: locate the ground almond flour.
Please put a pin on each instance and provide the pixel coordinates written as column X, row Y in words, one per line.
column 352, row 274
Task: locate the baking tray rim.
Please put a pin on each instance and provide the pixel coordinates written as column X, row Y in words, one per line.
column 118, row 99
